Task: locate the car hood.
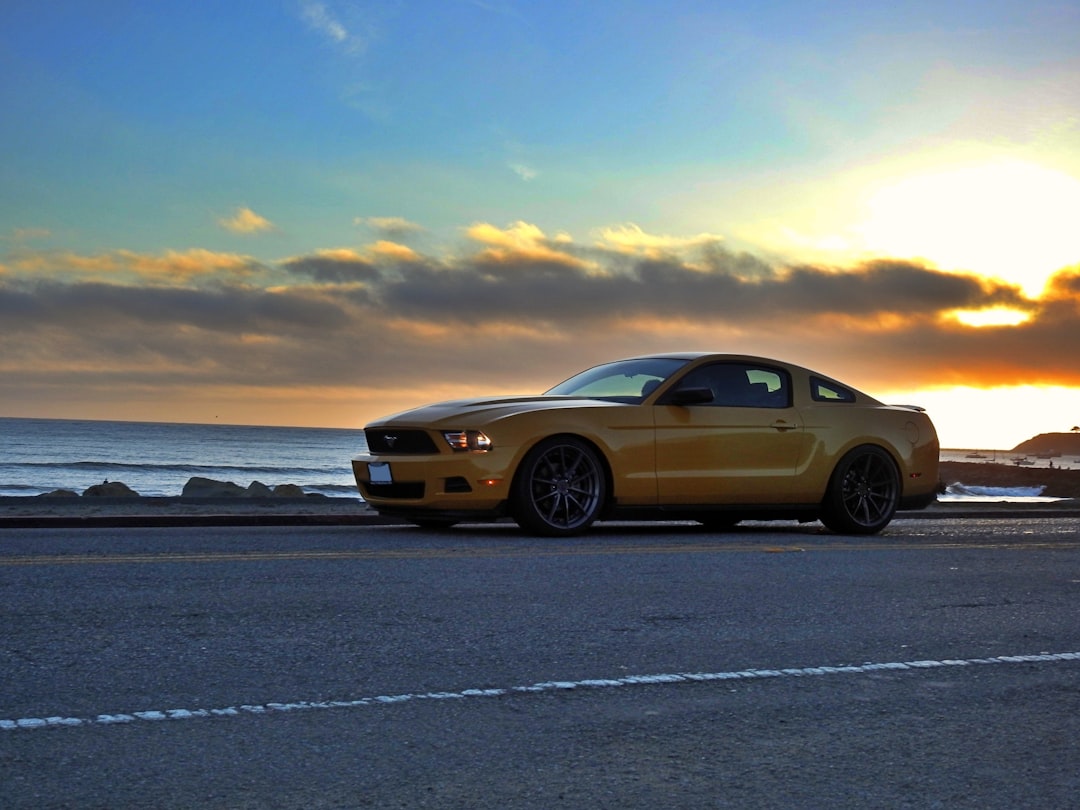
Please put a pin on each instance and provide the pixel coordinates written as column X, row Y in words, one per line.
column 483, row 410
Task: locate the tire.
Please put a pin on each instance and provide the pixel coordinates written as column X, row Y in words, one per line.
column 863, row 492
column 559, row 489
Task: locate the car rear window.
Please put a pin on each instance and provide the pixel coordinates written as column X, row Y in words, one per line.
column 822, row 390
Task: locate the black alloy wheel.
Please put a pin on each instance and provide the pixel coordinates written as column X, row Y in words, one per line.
column 863, row 493
column 559, row 488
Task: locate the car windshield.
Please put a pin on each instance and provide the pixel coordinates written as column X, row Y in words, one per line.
column 624, row 381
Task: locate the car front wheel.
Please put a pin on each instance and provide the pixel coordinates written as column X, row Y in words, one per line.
column 559, row 488
column 863, row 493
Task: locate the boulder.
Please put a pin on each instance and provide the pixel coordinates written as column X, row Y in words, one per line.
column 197, row 487
column 257, row 489
column 59, row 493
column 110, row 489
column 288, row 491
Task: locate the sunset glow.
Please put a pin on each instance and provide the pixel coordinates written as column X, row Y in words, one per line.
column 993, row 316
column 1008, row 220
column 314, row 213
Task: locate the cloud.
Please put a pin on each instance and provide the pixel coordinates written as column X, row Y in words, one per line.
column 392, row 227
column 28, row 234
column 333, row 267
column 322, row 20
column 126, row 266
column 511, row 308
column 1065, row 286
column 526, row 173
column 187, row 265
column 393, row 252
column 226, row 309
column 631, row 238
column 522, row 243
column 246, row 221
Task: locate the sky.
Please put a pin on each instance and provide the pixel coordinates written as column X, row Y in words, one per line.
column 291, row 212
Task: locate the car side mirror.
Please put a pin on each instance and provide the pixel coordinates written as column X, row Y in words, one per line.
column 691, row 396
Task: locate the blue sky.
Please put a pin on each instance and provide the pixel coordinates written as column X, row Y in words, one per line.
column 351, row 157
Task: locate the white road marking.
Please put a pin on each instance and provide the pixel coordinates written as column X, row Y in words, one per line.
column 163, row 715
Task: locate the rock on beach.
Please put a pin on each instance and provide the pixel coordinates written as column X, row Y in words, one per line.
column 209, row 488
column 110, row 489
column 195, row 488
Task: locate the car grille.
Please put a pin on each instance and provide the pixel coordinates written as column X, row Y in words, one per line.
column 407, row 491
column 385, row 441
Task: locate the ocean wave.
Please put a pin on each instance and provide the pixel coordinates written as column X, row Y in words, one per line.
column 15, row 490
column 158, row 459
column 1014, row 492
column 194, row 469
column 970, row 493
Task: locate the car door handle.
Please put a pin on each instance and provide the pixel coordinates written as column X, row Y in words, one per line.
column 781, row 425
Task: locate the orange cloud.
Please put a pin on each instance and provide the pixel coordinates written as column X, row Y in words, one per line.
column 246, row 221
column 171, row 266
column 522, row 241
column 393, row 251
column 183, row 266
column 630, row 238
column 520, row 311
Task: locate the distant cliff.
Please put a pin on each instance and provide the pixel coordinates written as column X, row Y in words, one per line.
column 1066, row 444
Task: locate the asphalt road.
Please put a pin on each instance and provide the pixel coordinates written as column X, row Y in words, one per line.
column 936, row 665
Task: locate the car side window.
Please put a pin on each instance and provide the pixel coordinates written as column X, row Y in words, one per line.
column 822, row 390
column 741, row 385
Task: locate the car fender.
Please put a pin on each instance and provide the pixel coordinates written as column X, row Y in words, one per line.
column 625, row 442
column 907, row 436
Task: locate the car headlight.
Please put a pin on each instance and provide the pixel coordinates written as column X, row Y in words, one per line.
column 462, row 440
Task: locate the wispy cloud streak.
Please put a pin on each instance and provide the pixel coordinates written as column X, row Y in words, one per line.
column 322, row 19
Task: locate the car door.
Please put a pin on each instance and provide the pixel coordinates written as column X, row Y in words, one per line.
column 728, row 433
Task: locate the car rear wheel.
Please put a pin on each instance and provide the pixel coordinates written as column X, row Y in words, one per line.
column 863, row 493
column 559, row 488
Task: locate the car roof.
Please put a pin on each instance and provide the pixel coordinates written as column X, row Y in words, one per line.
column 712, row 355
column 751, row 358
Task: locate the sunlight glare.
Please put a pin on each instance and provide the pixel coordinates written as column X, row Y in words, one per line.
column 994, row 316
column 1009, row 220
column 997, row 418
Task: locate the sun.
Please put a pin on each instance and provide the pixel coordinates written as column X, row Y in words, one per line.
column 1007, row 219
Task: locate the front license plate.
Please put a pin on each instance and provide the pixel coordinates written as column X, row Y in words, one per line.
column 379, row 472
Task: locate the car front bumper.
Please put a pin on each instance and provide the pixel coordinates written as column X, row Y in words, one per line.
column 457, row 484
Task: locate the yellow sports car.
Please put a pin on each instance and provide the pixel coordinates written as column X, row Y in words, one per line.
column 716, row 438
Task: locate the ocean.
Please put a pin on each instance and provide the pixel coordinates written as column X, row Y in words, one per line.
column 958, row 491
column 157, row 459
